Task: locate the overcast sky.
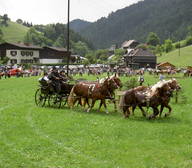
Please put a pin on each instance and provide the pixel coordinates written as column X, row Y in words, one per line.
column 53, row 11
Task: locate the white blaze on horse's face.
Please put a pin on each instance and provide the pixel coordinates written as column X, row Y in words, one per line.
column 116, row 85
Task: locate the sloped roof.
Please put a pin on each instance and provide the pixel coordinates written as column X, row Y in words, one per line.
column 128, row 43
column 23, row 45
column 57, row 48
column 140, row 52
column 165, row 64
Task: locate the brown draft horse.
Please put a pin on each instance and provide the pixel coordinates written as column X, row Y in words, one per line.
column 173, row 84
column 94, row 91
column 111, row 96
column 148, row 98
column 111, row 90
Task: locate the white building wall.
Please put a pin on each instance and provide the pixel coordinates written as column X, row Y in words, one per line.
column 22, row 54
column 50, row 61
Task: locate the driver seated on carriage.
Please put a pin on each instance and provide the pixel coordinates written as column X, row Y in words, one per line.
column 54, row 78
column 57, row 79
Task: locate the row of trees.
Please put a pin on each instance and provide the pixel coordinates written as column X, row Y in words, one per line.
column 56, row 35
column 4, row 20
column 24, row 23
column 153, row 43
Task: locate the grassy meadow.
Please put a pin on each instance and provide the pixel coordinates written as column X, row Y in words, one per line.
column 14, row 32
column 35, row 137
column 182, row 60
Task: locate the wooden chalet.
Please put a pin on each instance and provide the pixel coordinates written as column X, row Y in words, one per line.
column 49, row 55
column 130, row 44
column 165, row 65
column 19, row 53
column 140, row 58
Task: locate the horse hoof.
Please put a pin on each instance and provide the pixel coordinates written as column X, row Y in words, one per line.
column 150, row 117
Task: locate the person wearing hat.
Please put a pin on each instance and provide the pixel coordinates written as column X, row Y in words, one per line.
column 141, row 80
column 55, row 78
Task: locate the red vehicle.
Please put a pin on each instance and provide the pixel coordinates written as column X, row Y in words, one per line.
column 14, row 72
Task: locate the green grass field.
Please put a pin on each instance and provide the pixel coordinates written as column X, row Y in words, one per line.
column 14, row 32
column 185, row 58
column 35, row 137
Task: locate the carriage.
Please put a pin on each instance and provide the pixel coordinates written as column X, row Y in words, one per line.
column 46, row 94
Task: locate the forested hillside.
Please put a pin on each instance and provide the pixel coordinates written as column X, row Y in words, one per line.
column 167, row 18
column 56, row 34
column 77, row 25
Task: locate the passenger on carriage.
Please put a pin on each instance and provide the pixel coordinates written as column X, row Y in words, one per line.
column 63, row 76
column 44, row 81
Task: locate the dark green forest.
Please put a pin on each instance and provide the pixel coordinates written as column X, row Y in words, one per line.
column 77, row 25
column 56, row 35
column 53, row 35
column 169, row 19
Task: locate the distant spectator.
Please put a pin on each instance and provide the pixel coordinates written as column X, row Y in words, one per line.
column 141, row 80
column 161, row 77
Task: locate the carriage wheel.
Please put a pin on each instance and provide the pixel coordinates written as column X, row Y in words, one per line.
column 40, row 98
column 54, row 101
column 64, row 101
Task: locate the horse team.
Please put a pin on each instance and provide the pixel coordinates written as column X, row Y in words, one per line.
column 141, row 96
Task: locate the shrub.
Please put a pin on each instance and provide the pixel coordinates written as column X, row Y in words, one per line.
column 188, row 40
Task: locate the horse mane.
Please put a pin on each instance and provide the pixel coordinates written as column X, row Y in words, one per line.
column 150, row 92
column 108, row 77
column 102, row 80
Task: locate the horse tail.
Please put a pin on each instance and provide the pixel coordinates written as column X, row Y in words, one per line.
column 122, row 102
column 71, row 98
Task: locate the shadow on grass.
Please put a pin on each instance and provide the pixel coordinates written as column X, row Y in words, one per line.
column 169, row 120
column 94, row 111
column 118, row 113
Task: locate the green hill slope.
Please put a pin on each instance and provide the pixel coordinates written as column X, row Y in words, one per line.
column 173, row 57
column 14, row 32
column 167, row 18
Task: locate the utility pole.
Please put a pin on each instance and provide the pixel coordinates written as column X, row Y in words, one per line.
column 68, row 52
column 179, row 48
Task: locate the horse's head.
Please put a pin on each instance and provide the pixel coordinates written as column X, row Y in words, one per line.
column 110, row 84
column 173, row 84
column 117, row 80
column 165, row 90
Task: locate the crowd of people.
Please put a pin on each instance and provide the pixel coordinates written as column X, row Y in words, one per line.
column 19, row 71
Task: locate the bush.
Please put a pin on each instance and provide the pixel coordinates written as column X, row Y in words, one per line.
column 188, row 40
column 178, row 45
column 132, row 83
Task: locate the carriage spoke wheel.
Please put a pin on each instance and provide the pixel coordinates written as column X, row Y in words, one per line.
column 40, row 98
column 64, row 100
column 55, row 101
